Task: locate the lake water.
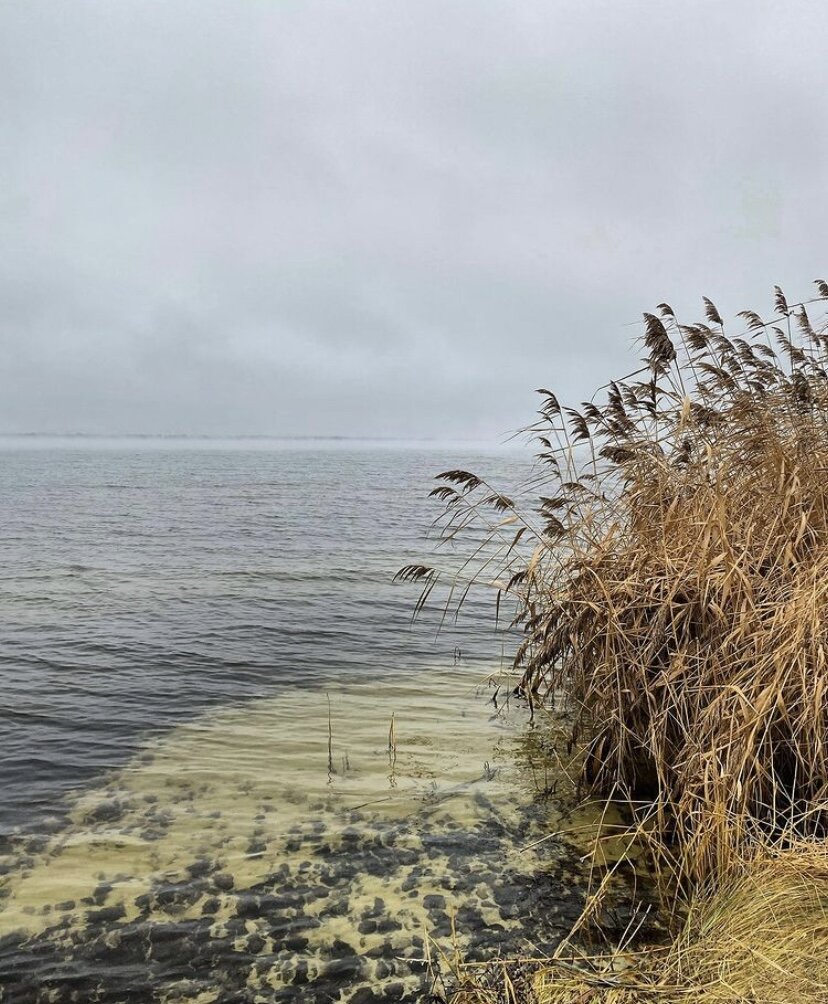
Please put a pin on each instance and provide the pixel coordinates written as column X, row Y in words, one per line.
column 232, row 768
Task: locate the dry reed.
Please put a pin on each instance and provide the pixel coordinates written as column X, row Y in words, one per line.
column 761, row 936
column 671, row 580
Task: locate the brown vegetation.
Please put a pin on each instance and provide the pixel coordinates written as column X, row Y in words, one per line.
column 676, row 588
column 760, row 937
column 671, row 583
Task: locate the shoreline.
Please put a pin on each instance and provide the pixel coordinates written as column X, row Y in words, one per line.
column 191, row 859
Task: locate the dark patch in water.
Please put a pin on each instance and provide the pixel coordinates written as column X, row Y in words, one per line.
column 271, row 937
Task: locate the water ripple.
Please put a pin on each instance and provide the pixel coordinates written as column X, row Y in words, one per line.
column 143, row 585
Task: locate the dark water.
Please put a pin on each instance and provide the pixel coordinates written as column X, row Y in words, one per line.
column 141, row 584
column 232, row 769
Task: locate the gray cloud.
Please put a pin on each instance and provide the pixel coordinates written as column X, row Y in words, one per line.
column 390, row 218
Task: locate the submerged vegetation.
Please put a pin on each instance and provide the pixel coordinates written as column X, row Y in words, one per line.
column 668, row 569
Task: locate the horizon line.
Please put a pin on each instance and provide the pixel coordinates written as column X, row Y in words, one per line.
column 245, row 436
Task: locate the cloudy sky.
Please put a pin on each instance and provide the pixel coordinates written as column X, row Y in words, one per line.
column 388, row 218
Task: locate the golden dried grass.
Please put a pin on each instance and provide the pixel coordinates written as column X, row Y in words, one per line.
column 759, row 938
column 671, row 580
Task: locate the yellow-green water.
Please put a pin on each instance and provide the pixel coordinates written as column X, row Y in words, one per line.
column 318, row 836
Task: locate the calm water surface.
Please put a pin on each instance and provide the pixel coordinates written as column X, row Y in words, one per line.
column 232, row 768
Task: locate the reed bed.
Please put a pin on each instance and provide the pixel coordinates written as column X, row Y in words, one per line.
column 668, row 567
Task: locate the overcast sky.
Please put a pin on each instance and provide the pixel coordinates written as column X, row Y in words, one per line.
column 386, row 218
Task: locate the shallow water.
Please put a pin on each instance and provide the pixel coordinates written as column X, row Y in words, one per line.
column 233, row 770
column 270, row 851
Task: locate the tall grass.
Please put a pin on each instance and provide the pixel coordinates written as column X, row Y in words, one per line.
column 668, row 567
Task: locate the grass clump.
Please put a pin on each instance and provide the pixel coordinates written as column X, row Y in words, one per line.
column 760, row 936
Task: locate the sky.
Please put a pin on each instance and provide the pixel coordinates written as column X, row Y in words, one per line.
column 384, row 218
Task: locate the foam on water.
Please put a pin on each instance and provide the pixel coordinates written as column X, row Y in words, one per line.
column 202, row 651
column 143, row 586
column 285, row 836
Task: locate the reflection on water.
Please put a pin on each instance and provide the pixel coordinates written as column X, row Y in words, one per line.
column 295, row 847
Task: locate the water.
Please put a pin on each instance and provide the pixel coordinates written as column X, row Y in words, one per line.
column 232, row 768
